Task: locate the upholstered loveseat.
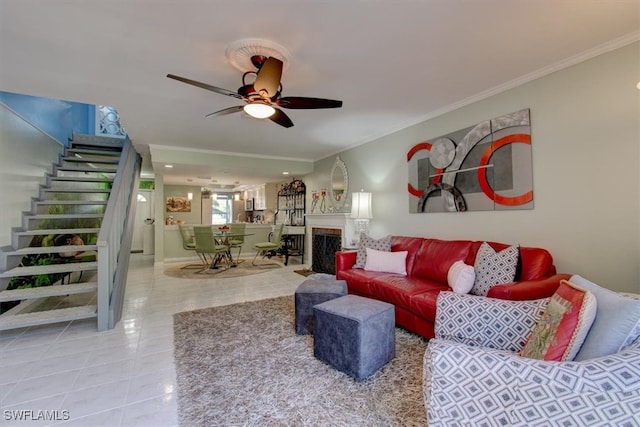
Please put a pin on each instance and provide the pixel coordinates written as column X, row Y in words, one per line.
column 474, row 374
column 428, row 261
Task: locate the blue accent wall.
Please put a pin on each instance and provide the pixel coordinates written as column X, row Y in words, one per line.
column 58, row 118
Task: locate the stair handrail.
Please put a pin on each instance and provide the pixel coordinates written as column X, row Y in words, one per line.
column 115, row 237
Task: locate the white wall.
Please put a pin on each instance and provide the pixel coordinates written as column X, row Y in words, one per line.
column 586, row 171
column 26, row 155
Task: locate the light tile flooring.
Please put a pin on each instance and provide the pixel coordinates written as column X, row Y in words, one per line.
column 122, row 377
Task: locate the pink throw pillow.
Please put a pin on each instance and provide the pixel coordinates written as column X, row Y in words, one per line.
column 389, row 262
column 461, row 277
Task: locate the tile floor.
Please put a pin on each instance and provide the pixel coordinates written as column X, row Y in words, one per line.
column 122, row 377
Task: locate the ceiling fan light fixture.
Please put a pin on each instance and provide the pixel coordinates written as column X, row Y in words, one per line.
column 259, row 110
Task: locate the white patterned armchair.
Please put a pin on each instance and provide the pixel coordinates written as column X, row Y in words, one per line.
column 474, row 377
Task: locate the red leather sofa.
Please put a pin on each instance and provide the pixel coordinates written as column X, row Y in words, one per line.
column 428, row 262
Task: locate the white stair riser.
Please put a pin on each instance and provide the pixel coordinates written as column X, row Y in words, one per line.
column 46, row 317
column 64, row 221
column 48, row 291
column 22, row 239
column 73, row 193
column 85, row 172
column 86, row 207
column 10, row 258
column 50, row 269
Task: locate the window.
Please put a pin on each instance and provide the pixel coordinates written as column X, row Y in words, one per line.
column 221, row 209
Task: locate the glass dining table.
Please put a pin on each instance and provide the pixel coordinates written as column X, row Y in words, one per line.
column 225, row 237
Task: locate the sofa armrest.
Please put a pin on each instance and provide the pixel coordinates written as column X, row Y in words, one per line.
column 345, row 260
column 487, row 322
column 466, row 385
column 528, row 289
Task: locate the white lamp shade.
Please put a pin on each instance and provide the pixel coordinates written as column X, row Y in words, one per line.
column 361, row 205
column 259, row 110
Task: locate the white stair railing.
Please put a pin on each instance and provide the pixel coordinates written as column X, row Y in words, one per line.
column 114, row 239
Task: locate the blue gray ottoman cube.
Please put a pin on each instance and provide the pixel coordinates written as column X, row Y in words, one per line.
column 315, row 290
column 355, row 335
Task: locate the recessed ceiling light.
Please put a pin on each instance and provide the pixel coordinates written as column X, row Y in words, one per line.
column 168, row 166
column 285, row 173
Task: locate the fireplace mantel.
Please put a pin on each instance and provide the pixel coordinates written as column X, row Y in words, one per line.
column 340, row 221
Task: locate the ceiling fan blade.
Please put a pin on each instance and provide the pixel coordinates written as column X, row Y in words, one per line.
column 281, row 118
column 268, row 78
column 205, row 86
column 302, row 103
column 226, row 111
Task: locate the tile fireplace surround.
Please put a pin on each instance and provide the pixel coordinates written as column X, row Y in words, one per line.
column 339, row 221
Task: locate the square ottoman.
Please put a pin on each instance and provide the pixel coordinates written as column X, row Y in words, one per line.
column 311, row 292
column 355, row 335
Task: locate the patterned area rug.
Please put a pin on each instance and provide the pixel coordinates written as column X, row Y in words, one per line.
column 243, row 364
column 244, row 268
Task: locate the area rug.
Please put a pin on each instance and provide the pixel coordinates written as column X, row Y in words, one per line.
column 244, row 365
column 244, row 268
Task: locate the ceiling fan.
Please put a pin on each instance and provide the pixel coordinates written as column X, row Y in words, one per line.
column 263, row 96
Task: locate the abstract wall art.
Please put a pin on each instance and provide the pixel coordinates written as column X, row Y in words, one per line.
column 483, row 167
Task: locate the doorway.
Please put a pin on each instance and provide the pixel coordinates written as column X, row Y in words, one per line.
column 144, row 210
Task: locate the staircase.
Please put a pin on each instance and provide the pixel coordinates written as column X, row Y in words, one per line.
column 49, row 273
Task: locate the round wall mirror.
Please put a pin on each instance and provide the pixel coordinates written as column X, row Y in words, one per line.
column 339, row 184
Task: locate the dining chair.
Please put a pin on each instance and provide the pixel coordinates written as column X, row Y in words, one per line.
column 237, row 231
column 270, row 248
column 206, row 245
column 189, row 244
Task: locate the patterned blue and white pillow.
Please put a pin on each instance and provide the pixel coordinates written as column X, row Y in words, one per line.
column 487, row 322
column 494, row 268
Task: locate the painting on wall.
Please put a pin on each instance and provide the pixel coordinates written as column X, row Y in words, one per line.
column 178, row 204
column 483, row 167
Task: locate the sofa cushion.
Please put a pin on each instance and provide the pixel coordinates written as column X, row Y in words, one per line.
column 564, row 325
column 358, row 280
column 494, row 268
column 398, row 290
column 435, row 257
column 425, row 304
column 534, row 263
column 461, row 277
column 617, row 322
column 391, row 262
column 382, row 244
column 409, row 244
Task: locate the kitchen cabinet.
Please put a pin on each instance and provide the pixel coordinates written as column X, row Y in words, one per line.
column 265, row 196
column 259, row 200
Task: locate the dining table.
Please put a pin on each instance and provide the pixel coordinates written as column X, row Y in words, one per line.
column 224, row 237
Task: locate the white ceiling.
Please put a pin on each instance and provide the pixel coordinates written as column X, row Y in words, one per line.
column 392, row 62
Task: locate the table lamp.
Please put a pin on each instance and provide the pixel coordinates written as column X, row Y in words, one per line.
column 361, row 214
